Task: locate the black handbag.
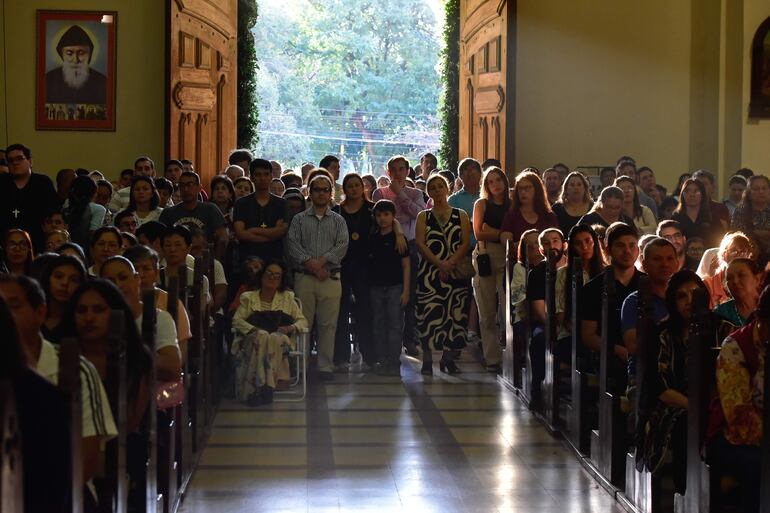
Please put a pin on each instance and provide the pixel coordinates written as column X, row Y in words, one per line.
column 483, row 262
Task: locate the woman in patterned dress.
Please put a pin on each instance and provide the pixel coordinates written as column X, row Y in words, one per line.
column 442, row 236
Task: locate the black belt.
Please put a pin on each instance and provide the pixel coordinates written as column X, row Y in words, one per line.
column 334, row 274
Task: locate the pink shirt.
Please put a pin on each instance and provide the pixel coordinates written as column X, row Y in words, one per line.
column 409, row 202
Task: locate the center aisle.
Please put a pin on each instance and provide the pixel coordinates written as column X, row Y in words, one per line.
column 369, row 443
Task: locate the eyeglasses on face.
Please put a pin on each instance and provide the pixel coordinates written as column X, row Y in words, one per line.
column 22, row 244
column 271, row 274
column 16, row 159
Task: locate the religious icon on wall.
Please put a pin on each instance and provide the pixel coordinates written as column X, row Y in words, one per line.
column 759, row 106
column 75, row 70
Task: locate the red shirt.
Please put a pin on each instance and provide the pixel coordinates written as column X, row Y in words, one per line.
column 515, row 223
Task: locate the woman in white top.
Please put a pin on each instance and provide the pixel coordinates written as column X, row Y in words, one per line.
column 144, row 199
column 264, row 321
column 168, row 360
column 644, row 219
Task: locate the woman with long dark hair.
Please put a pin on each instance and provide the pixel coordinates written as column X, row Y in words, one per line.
column 584, row 243
column 644, row 219
column 667, row 426
column 574, row 202
column 88, row 319
column 60, row 279
column 223, row 196
column 144, row 200
column 529, row 208
column 82, row 215
column 694, row 213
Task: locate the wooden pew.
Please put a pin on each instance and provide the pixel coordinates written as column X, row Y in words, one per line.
column 511, row 375
column 184, row 432
column 527, row 385
column 115, row 385
column 701, row 368
column 69, row 385
column 195, row 351
column 550, row 385
column 764, row 492
column 607, row 443
column 168, row 456
column 11, row 477
column 153, row 499
column 642, row 489
column 579, row 432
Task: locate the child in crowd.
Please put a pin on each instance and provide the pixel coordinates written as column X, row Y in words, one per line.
column 389, row 288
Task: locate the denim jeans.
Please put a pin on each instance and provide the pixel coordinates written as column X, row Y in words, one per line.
column 387, row 321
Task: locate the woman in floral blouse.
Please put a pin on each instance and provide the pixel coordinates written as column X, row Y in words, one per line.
column 740, row 381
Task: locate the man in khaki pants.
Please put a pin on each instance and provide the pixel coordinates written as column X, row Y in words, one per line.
column 317, row 242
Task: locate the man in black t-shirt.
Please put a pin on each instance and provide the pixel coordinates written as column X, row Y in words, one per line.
column 261, row 219
column 550, row 240
column 623, row 250
column 26, row 198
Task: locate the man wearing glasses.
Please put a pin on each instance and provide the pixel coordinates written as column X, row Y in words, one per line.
column 26, row 198
column 204, row 215
column 317, row 242
column 672, row 232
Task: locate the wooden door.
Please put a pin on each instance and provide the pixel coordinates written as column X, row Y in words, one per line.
column 201, row 122
column 487, row 40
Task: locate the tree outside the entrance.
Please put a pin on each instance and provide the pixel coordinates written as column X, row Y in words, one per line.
column 358, row 78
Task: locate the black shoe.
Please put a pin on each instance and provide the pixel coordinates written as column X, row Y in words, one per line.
column 266, row 395
column 427, row 369
column 255, row 399
column 449, row 366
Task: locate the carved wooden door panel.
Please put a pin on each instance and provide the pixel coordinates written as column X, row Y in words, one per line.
column 202, row 86
column 486, row 68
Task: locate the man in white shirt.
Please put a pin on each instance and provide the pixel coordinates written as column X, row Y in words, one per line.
column 26, row 301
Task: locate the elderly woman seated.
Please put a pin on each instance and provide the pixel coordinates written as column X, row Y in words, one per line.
column 264, row 323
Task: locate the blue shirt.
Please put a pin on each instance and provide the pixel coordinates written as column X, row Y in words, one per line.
column 629, row 316
column 465, row 200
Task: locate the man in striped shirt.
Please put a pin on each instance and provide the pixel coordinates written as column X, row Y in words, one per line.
column 317, row 243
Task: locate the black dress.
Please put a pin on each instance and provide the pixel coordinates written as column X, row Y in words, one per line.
column 442, row 306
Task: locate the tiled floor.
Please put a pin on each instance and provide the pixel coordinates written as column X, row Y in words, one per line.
column 370, row 443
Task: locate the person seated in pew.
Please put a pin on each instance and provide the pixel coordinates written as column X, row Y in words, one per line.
column 660, row 262
column 743, row 280
column 199, row 243
column 60, row 280
column 27, row 302
column 106, row 242
column 168, row 363
column 734, row 245
column 550, row 240
column 264, row 321
column 73, row 249
column 252, row 273
column 582, row 242
column 528, row 250
column 46, row 457
column 736, row 422
column 146, row 262
column 666, row 427
column 623, row 250
column 176, row 242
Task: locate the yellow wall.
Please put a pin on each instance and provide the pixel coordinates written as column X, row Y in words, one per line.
column 604, row 78
column 140, row 96
column 756, row 133
column 3, row 77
